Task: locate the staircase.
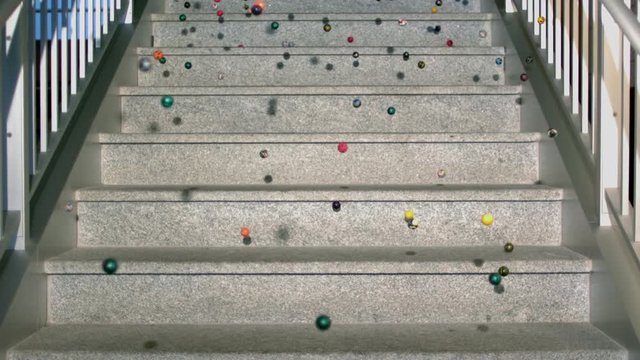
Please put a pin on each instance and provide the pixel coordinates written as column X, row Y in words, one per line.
column 265, row 179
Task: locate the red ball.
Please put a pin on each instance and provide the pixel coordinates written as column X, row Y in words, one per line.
column 217, row 0
column 343, row 147
column 220, row 12
column 450, row 43
column 350, row 39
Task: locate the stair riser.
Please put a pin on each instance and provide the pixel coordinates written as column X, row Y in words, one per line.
column 207, row 224
column 322, row 114
column 320, row 164
column 252, row 33
column 326, row 6
column 262, row 70
column 205, row 299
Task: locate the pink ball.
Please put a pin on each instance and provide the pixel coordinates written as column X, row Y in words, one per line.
column 220, row 12
column 450, row 43
column 350, row 39
column 343, row 147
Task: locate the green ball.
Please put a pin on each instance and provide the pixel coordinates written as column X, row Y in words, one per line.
column 163, row 60
column 503, row 271
column 495, row 279
column 188, row 65
column 110, row 266
column 323, row 322
column 275, row 25
column 508, row 247
column 182, row 17
column 421, row 64
column 391, row 110
column 327, row 27
column 167, row 101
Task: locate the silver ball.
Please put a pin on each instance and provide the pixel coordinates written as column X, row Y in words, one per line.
column 145, row 64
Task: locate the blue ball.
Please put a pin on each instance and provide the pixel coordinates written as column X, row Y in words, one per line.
column 256, row 10
column 499, row 61
column 357, row 103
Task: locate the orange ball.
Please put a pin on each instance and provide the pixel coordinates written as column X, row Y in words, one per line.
column 158, row 55
column 245, row 232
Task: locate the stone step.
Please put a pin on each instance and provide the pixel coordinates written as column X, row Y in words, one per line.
column 321, row 109
column 304, row 216
column 544, row 295
column 324, row 260
column 324, row 67
column 296, row 7
column 296, row 159
column 204, row 30
column 484, row 340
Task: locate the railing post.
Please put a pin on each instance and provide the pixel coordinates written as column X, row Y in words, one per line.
column 19, row 118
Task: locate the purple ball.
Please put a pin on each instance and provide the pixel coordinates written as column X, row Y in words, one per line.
column 256, row 10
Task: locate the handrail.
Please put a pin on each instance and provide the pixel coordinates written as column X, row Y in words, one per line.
column 626, row 19
column 49, row 50
column 7, row 7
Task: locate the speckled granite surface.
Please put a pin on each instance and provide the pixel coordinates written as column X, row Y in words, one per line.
column 259, row 112
column 553, row 341
column 321, row 260
column 207, row 159
column 325, row 6
column 295, row 298
column 367, row 30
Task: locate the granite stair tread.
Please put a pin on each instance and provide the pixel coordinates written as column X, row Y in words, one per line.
column 322, row 260
column 283, row 138
column 363, row 51
column 323, row 193
column 465, row 341
column 320, row 90
column 369, row 17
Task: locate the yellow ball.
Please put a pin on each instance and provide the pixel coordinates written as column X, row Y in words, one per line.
column 434, row 10
column 408, row 215
column 487, row 219
column 541, row 20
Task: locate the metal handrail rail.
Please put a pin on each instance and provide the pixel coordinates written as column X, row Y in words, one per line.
column 626, row 19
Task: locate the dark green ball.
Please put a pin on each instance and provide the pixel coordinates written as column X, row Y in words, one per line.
column 323, row 322
column 275, row 25
column 188, row 65
column 163, row 60
column 508, row 247
column 503, row 271
column 391, row 110
column 110, row 266
column 421, row 64
column 182, row 17
column 167, row 101
column 495, row 279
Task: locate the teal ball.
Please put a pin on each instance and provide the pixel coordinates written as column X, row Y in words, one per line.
column 495, row 279
column 109, row 266
column 323, row 322
column 167, row 101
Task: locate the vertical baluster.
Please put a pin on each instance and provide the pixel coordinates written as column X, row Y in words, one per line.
column 54, row 66
column 575, row 57
column 105, row 16
column 525, row 4
column 536, row 15
column 82, row 31
column 112, row 10
column 624, row 119
column 90, row 31
column 558, row 35
column 551, row 45
column 44, row 77
column 530, row 10
column 98, row 27
column 595, row 73
column 3, row 51
column 636, row 158
column 566, row 47
column 118, row 4
column 543, row 26
column 64, row 58
column 584, row 67
column 73, row 63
